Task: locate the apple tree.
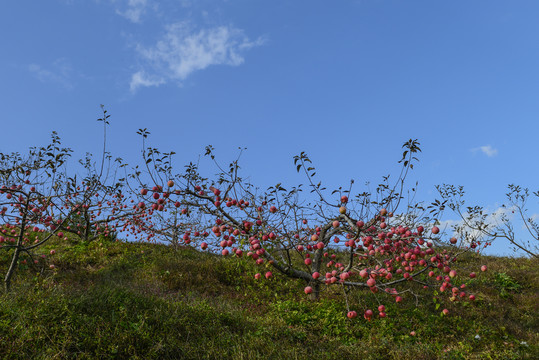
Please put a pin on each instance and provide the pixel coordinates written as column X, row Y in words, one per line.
column 480, row 228
column 344, row 239
column 40, row 202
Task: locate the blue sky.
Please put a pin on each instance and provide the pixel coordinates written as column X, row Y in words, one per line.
column 348, row 82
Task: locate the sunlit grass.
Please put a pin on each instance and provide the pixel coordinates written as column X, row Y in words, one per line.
column 128, row 300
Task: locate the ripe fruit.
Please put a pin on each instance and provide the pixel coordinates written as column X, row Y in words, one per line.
column 368, row 314
column 258, row 276
column 435, row 230
column 268, row 274
column 308, row 290
column 143, row 192
column 484, row 268
column 445, row 311
column 472, row 275
column 170, row 183
column 398, row 299
column 453, row 240
column 351, row 314
column 344, row 199
column 316, row 275
column 342, row 210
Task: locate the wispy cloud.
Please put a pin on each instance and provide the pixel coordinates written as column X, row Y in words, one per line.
column 487, row 150
column 183, row 51
column 494, row 219
column 134, row 11
column 60, row 72
column 532, row 217
column 140, row 78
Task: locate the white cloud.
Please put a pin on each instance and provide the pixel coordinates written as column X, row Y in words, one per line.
column 487, row 150
column 60, row 72
column 494, row 219
column 183, row 51
column 139, row 79
column 135, row 9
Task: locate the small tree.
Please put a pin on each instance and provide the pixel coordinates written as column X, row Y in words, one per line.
column 39, row 201
column 480, row 227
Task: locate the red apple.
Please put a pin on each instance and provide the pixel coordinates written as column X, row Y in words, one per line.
column 368, row 314
column 445, row 311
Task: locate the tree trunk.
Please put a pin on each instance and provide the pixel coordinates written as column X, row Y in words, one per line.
column 12, row 267
column 315, row 295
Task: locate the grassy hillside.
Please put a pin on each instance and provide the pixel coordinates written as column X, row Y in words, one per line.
column 144, row 301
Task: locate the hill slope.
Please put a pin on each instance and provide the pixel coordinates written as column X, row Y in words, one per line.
column 126, row 300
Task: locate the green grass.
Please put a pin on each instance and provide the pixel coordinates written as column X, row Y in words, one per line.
column 114, row 300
